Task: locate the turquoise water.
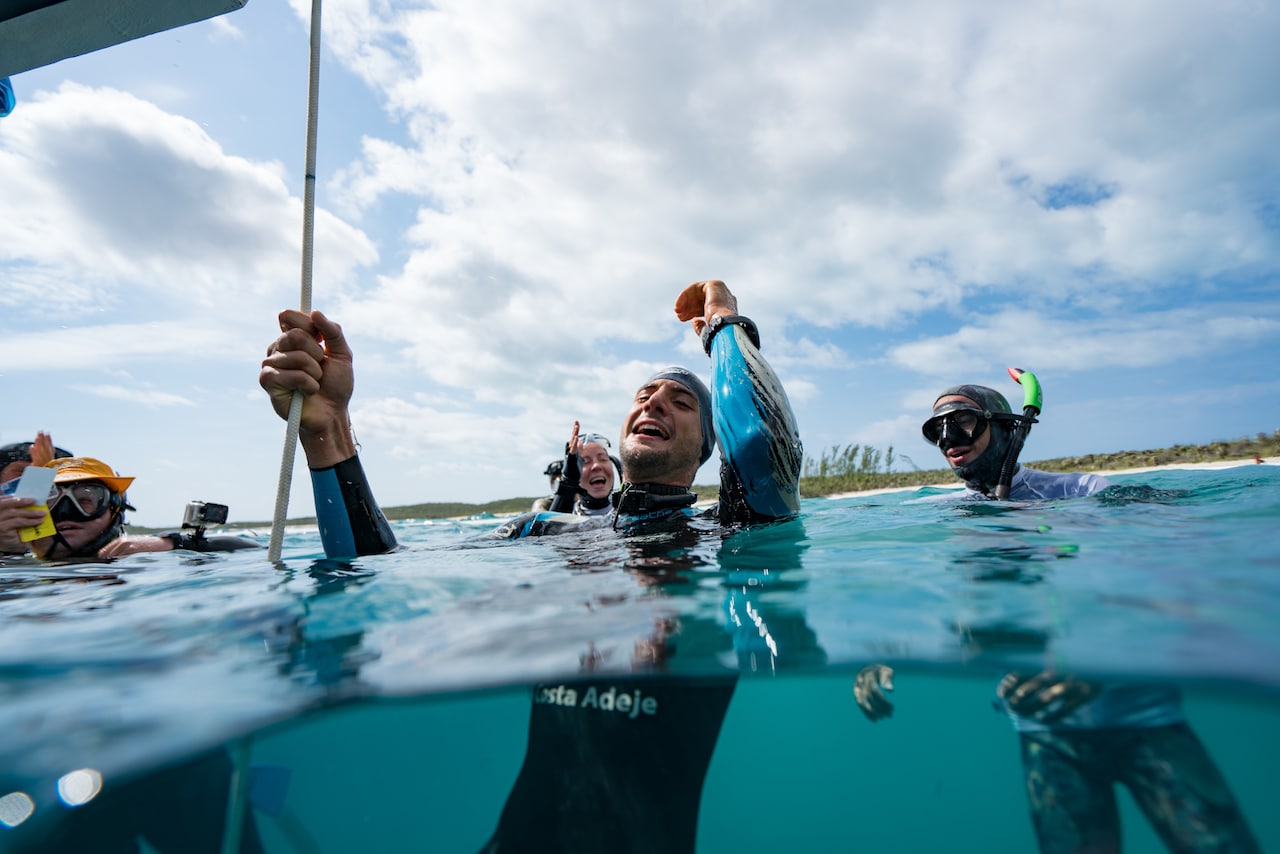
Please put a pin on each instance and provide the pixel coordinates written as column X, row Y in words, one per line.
column 384, row 704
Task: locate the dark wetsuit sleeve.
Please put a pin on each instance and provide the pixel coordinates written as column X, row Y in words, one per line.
column 196, row 541
column 570, row 479
column 759, row 442
column 565, row 497
column 350, row 521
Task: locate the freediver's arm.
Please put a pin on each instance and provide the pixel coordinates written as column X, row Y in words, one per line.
column 761, row 452
column 569, row 487
column 351, row 523
column 312, row 357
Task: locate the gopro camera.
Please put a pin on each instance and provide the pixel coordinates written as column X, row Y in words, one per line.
column 199, row 514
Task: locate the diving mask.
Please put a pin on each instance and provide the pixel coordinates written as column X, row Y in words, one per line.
column 87, row 498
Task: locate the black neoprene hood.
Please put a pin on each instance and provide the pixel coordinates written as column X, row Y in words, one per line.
column 982, row 473
column 987, row 399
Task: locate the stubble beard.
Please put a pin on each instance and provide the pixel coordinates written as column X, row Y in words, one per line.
column 650, row 465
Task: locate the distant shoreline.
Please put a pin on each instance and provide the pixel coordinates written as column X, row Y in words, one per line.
column 954, row 484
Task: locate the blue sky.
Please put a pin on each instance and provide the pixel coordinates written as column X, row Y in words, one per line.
column 904, row 196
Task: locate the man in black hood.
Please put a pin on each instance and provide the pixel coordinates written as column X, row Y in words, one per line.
column 1079, row 738
column 973, row 427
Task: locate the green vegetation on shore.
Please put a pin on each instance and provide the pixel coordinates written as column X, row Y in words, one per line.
column 856, row 468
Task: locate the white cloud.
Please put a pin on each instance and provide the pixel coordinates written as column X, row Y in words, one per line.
column 223, row 27
column 839, row 165
column 134, row 395
column 108, row 346
column 1140, row 340
column 108, row 196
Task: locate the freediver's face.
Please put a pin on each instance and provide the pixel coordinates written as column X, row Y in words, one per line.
column 77, row 532
column 82, row 512
column 597, row 470
column 662, row 435
column 963, row 454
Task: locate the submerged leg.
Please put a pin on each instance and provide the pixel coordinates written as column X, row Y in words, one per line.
column 1073, row 803
column 1179, row 788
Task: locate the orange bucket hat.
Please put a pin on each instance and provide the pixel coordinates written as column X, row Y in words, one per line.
column 71, row 469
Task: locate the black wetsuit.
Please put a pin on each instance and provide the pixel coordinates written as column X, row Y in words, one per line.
column 614, row 765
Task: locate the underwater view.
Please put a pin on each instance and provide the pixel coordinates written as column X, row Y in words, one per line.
column 880, row 674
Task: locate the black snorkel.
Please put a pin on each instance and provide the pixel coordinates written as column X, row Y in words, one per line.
column 1032, row 400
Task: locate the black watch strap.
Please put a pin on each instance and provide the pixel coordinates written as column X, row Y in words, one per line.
column 721, row 321
column 182, row 540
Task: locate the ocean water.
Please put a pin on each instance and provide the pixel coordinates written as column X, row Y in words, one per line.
column 385, row 703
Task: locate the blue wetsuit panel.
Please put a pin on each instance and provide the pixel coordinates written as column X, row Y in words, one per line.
column 350, row 521
column 756, row 431
column 543, row 523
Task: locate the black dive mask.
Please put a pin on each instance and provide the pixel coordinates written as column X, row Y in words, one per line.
column 955, row 428
column 961, row 422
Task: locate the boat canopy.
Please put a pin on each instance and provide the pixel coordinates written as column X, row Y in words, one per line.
column 34, row 33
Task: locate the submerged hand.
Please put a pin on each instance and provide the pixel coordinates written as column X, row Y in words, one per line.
column 1047, row 697
column 868, row 689
column 703, row 301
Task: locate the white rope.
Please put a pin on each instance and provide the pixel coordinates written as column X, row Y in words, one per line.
column 308, row 243
column 237, row 797
column 241, row 771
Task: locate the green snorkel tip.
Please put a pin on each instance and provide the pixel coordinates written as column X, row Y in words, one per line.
column 1032, row 400
column 1032, row 397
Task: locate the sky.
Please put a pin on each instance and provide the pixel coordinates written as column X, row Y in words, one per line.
column 510, row 194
